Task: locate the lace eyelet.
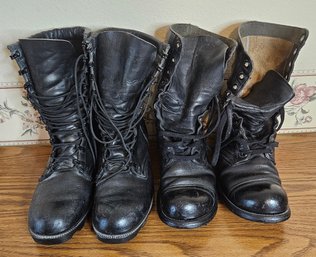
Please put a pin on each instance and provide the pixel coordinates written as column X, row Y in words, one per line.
column 15, row 55
column 27, row 85
column 228, row 93
column 295, row 51
column 243, row 155
column 23, row 71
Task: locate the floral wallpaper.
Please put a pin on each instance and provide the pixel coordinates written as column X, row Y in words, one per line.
column 299, row 106
column 301, row 110
column 31, row 121
column 20, row 123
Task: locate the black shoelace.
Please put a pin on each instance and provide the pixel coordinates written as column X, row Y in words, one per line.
column 58, row 121
column 184, row 147
column 230, row 121
column 118, row 134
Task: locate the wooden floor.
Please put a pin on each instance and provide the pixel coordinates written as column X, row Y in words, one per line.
column 226, row 235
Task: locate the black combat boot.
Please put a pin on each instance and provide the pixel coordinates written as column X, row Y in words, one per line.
column 254, row 110
column 53, row 67
column 187, row 111
column 127, row 64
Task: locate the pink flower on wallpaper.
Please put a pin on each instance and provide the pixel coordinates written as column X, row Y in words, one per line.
column 303, row 93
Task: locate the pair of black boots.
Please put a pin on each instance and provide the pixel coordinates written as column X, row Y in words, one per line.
column 246, row 117
column 90, row 89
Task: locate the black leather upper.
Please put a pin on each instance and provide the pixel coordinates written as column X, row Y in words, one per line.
column 186, row 110
column 127, row 65
column 246, row 170
column 47, row 61
column 253, row 112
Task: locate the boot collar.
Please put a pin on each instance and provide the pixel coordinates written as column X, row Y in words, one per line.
column 243, row 60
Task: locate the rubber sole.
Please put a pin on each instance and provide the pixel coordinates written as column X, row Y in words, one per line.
column 187, row 224
column 257, row 217
column 58, row 238
column 122, row 238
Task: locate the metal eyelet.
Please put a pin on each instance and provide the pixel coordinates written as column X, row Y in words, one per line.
column 173, row 60
column 241, row 76
column 243, row 155
column 26, row 85
column 15, row 55
column 302, row 38
column 23, row 71
column 178, row 44
column 246, row 64
column 295, row 51
column 235, row 86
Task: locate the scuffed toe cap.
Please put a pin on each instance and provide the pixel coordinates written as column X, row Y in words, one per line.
column 59, row 204
column 186, row 204
column 263, row 198
column 113, row 219
column 55, row 218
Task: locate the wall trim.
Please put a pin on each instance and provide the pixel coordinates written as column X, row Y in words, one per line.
column 19, row 124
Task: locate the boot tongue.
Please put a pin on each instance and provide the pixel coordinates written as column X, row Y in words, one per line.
column 266, row 98
column 124, row 63
column 196, row 79
column 51, row 65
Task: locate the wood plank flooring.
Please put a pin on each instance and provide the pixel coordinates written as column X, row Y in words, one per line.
column 226, row 235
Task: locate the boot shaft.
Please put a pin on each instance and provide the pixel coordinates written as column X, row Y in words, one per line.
column 52, row 64
column 256, row 113
column 192, row 78
column 125, row 63
column 50, row 61
column 251, row 123
column 50, row 58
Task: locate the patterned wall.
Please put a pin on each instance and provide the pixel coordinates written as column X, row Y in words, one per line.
column 20, row 124
column 301, row 110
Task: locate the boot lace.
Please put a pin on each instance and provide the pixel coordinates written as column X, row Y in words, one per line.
column 185, row 147
column 58, row 121
column 232, row 130
column 117, row 134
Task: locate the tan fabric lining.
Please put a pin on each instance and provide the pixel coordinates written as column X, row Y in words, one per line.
column 266, row 53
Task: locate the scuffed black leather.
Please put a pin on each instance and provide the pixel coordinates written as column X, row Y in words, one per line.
column 63, row 196
column 185, row 109
column 248, row 178
column 126, row 62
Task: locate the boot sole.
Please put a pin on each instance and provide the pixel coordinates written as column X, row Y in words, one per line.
column 187, row 224
column 257, row 217
column 58, row 238
column 122, row 238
